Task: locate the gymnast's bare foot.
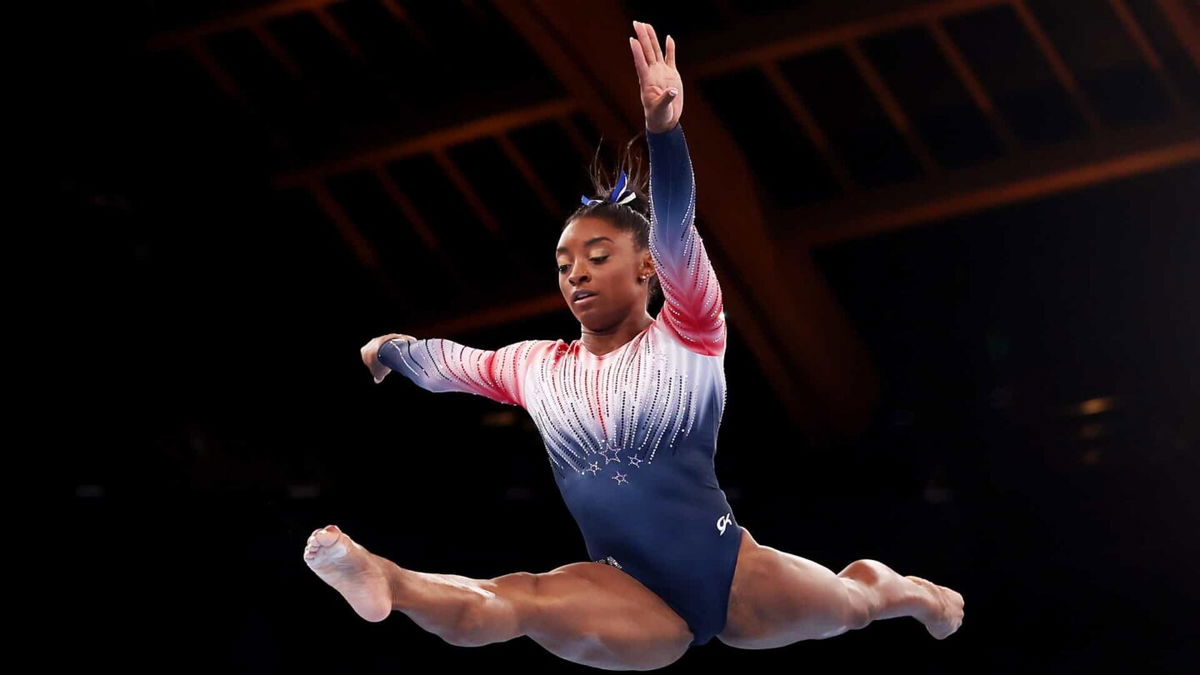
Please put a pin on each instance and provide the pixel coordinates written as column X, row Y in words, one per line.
column 948, row 614
column 344, row 564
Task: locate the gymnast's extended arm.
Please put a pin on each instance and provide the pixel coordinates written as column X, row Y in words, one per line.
column 441, row 365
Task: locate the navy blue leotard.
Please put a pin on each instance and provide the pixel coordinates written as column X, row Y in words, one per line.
column 631, row 435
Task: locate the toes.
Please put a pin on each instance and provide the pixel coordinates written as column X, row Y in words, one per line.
column 321, row 537
column 312, row 545
column 327, row 537
column 323, row 533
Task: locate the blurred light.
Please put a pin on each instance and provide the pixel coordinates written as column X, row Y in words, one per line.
column 1096, row 405
column 89, row 491
column 936, row 494
column 1091, row 457
column 303, row 490
column 1089, row 431
column 500, row 418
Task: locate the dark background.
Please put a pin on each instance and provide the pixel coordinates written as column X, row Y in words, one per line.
column 229, row 414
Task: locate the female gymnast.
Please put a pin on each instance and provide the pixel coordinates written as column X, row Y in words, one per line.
column 629, row 414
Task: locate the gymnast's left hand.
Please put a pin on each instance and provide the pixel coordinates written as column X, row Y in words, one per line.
column 657, row 78
column 370, row 354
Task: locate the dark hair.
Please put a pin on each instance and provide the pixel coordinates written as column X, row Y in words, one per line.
column 622, row 216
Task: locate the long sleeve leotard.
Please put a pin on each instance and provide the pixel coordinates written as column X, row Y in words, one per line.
column 630, row 435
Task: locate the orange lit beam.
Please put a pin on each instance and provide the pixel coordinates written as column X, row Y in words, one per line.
column 272, row 45
column 335, row 29
column 832, row 24
column 466, row 190
column 418, row 223
column 1034, row 174
column 1057, row 65
column 976, row 89
column 535, row 183
column 407, row 208
column 575, row 136
column 787, row 93
column 236, row 20
column 867, row 71
column 1185, row 25
column 430, row 142
column 229, row 86
column 403, row 17
column 349, row 231
column 1149, row 55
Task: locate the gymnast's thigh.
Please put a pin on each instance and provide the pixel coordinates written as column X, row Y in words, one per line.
column 596, row 614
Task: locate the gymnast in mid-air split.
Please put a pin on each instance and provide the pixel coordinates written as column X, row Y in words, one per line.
column 629, row 414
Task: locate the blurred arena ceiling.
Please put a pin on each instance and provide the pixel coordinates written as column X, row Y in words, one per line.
column 436, row 136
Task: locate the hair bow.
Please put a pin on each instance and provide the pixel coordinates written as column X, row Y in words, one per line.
column 619, row 194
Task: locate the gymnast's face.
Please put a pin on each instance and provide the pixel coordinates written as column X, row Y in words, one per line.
column 595, row 256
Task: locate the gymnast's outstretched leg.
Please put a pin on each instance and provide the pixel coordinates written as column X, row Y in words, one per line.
column 778, row 598
column 585, row 612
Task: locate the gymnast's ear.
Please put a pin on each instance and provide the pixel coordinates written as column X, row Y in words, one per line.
column 647, row 268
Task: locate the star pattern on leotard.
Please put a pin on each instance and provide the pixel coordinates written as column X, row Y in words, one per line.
column 620, row 478
column 609, row 446
column 594, row 468
column 636, row 461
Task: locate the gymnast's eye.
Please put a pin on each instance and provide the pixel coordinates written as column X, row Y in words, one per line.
column 597, row 260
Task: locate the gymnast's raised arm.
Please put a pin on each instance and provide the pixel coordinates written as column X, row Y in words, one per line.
column 693, row 304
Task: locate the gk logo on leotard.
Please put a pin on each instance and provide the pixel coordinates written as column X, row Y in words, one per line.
column 723, row 521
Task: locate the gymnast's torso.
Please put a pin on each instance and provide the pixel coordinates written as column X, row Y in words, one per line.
column 631, row 435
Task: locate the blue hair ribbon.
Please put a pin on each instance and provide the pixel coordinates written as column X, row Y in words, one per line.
column 620, row 195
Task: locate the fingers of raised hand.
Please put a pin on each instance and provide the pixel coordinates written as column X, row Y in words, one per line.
column 646, row 40
column 639, row 59
column 670, row 51
column 658, row 55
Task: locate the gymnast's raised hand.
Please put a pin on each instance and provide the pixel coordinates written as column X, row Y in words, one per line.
column 659, row 80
